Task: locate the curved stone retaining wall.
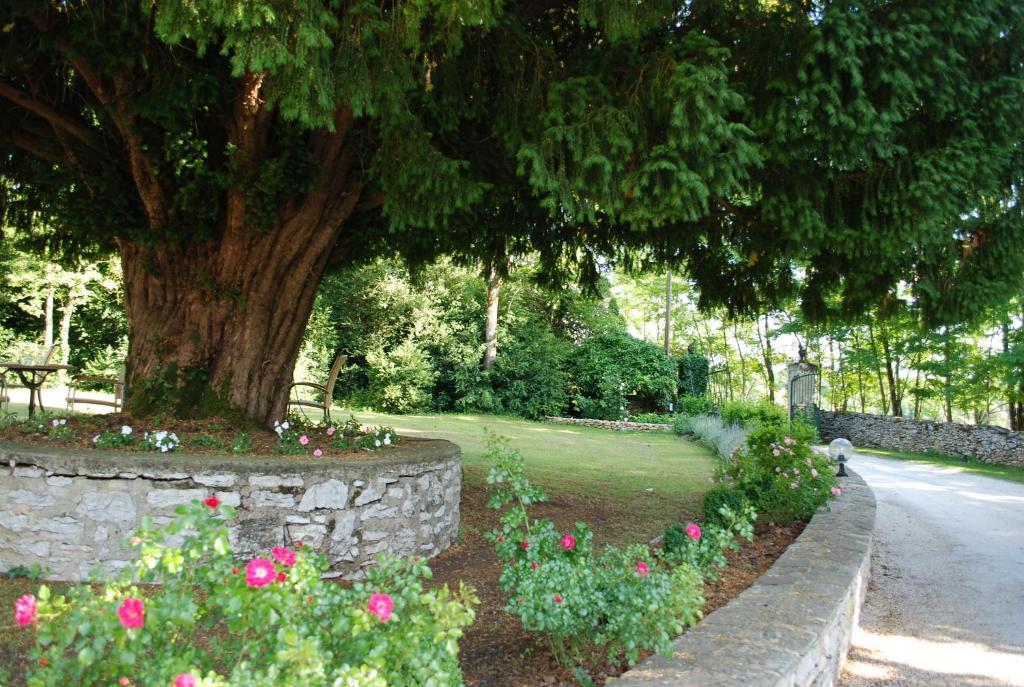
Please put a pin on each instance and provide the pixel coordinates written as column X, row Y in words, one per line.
column 619, row 425
column 984, row 442
column 792, row 627
column 70, row 511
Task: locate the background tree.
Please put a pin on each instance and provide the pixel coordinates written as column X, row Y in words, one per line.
column 231, row 154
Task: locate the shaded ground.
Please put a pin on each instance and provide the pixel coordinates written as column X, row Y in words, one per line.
column 945, row 605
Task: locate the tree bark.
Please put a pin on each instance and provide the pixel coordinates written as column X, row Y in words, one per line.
column 48, row 320
column 668, row 314
column 70, row 303
column 766, row 353
column 218, row 325
column 494, row 281
column 890, row 374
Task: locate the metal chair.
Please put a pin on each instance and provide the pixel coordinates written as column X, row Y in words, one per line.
column 326, row 389
column 116, row 382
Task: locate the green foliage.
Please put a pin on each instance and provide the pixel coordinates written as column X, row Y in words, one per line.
column 296, row 629
column 752, row 415
column 25, row 572
column 681, row 424
column 528, row 378
column 693, row 377
column 115, row 438
column 400, row 379
column 593, row 606
column 695, row 405
column 610, row 373
column 241, row 443
column 783, row 477
column 704, row 548
column 722, row 496
column 653, row 418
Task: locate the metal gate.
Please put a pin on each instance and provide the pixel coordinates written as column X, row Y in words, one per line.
column 803, row 393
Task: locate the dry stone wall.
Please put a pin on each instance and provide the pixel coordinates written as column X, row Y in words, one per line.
column 986, row 443
column 71, row 511
column 617, row 425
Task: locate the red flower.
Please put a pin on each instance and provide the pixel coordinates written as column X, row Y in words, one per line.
column 123, row 681
column 212, row 501
column 43, row 661
column 568, row 542
column 132, row 613
column 524, row 544
column 501, row 539
column 533, row 565
column 558, row 599
column 641, row 569
column 281, row 577
column 234, row 571
column 300, row 544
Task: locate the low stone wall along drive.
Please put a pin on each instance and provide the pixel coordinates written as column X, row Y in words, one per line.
column 793, row 626
column 70, row 511
column 988, row 444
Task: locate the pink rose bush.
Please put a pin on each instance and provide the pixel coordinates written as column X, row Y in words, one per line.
column 780, row 473
column 693, row 531
column 279, row 618
column 613, row 603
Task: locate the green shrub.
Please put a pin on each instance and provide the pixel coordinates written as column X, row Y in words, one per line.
column 527, row 378
column 704, row 548
column 718, row 497
column 613, row 373
column 275, row 622
column 750, row 415
column 681, row 424
column 400, row 379
column 693, row 375
column 593, row 607
column 696, row 405
column 654, row 418
column 782, row 476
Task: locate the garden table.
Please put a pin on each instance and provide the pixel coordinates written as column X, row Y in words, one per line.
column 32, row 375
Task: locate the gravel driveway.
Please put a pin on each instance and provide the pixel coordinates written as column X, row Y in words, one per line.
column 946, row 601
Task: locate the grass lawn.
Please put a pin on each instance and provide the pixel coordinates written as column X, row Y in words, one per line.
column 1006, row 472
column 649, row 479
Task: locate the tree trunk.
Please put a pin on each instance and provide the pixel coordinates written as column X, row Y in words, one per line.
column 48, row 320
column 668, row 314
column 878, row 371
column 491, row 323
column 743, row 361
column 65, row 328
column 766, row 353
column 890, row 374
column 215, row 327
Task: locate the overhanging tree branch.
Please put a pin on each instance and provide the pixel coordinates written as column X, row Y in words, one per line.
column 59, row 120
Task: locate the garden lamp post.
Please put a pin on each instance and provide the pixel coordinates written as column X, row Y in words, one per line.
column 838, row 451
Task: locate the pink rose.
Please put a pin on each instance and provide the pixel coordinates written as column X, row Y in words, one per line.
column 794, row 485
column 776, row 452
column 524, row 544
column 259, row 572
column 381, row 606
column 330, row 431
column 568, row 542
column 303, row 440
column 642, row 569
column 317, row 453
column 836, row 491
column 789, row 441
column 132, row 613
column 283, row 555
column 185, row 680
column 693, row 531
column 814, row 473
column 25, row 610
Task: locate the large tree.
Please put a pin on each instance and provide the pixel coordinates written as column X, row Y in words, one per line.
column 231, row 152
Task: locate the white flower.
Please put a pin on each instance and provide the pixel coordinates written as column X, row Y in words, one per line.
column 126, row 430
column 55, row 422
column 63, row 421
column 285, row 425
column 387, row 440
column 96, row 439
column 377, row 443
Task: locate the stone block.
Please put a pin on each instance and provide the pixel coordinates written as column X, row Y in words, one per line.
column 23, row 497
column 331, row 494
column 105, row 506
column 171, row 498
column 28, row 471
column 270, row 499
column 215, row 480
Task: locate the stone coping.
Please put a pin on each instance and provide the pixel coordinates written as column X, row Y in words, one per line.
column 95, row 462
column 793, row 626
column 617, row 425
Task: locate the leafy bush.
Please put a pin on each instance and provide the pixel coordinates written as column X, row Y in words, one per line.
column 654, row 418
column 719, row 497
column 400, row 379
column 782, row 476
column 704, row 549
column 527, row 377
column 750, row 415
column 614, row 371
column 110, row 438
column 681, row 424
column 696, row 405
column 274, row 622
column 720, row 438
column 592, row 606
column 693, row 375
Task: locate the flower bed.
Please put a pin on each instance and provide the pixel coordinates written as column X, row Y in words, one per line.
column 68, row 510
